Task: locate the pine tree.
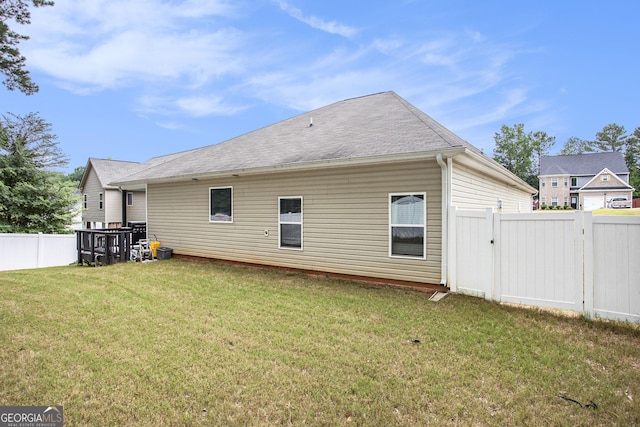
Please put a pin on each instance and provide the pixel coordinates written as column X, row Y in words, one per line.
column 12, row 63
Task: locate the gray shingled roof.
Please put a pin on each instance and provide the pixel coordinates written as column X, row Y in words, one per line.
column 583, row 164
column 109, row 170
column 374, row 125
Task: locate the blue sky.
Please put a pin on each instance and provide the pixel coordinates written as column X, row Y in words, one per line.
column 134, row 79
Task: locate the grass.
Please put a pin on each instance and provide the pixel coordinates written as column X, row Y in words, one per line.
column 617, row 212
column 197, row 343
column 601, row 211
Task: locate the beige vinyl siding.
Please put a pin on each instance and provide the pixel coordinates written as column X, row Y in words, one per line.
column 345, row 225
column 471, row 189
column 92, row 188
column 113, row 206
column 137, row 212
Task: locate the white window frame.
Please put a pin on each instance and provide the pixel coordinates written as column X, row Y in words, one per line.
column 100, row 201
column 605, row 177
column 554, row 181
column 423, row 225
column 129, row 198
column 566, row 181
column 554, row 201
column 301, row 223
column 221, row 221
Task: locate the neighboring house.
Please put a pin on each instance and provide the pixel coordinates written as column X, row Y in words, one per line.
column 76, row 220
column 583, row 181
column 105, row 205
column 361, row 187
column 108, row 206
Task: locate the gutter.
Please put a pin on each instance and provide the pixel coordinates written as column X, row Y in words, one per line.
column 499, row 171
column 291, row 167
column 445, row 202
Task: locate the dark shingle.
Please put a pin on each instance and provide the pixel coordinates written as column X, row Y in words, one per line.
column 374, row 125
column 583, row 164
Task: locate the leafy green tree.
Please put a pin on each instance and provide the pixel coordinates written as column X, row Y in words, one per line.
column 76, row 175
column 12, row 63
column 32, row 197
column 514, row 150
column 575, row 145
column 541, row 143
column 612, row 137
column 632, row 158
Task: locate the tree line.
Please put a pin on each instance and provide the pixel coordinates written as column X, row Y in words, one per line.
column 520, row 151
column 33, row 198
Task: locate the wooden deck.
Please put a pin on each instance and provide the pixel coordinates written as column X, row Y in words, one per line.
column 103, row 246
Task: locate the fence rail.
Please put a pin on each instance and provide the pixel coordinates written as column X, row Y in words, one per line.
column 566, row 260
column 21, row 251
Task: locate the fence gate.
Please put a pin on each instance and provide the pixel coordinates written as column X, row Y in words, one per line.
column 565, row 260
column 538, row 259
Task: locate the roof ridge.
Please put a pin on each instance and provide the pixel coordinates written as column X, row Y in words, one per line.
column 347, row 129
column 112, row 160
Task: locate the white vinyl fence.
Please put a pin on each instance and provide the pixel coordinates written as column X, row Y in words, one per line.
column 21, row 251
column 566, row 260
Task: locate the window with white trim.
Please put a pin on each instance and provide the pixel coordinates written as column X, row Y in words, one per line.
column 554, row 201
column 408, row 225
column 566, row 181
column 554, row 181
column 221, row 204
column 129, row 199
column 100, row 201
column 290, row 222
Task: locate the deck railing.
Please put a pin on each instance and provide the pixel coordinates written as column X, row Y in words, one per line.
column 103, row 246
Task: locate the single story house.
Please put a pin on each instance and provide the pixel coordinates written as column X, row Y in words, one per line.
column 360, row 188
column 584, row 181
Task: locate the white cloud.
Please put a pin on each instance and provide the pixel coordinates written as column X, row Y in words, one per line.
column 331, row 27
column 191, row 106
column 170, row 125
column 433, row 73
column 106, row 44
column 513, row 100
column 200, row 106
column 189, row 58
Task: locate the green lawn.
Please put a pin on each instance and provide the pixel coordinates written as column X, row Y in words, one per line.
column 617, row 212
column 601, row 211
column 196, row 343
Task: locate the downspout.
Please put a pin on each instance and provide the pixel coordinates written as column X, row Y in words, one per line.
column 445, row 219
column 105, row 222
column 146, row 210
column 123, row 223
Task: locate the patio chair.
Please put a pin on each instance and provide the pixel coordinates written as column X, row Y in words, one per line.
column 142, row 250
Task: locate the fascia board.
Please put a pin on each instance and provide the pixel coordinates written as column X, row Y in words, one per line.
column 294, row 167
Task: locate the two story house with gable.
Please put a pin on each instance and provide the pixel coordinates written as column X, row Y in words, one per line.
column 109, row 206
column 105, row 205
column 583, row 181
